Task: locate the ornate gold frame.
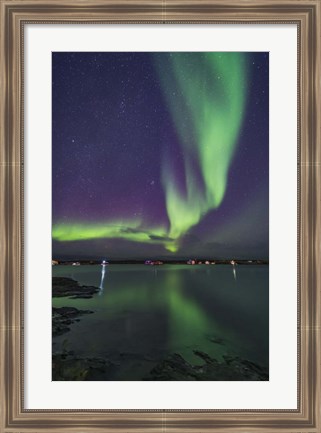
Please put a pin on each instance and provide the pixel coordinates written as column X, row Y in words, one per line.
column 306, row 15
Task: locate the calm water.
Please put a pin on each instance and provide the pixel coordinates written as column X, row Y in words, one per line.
column 144, row 313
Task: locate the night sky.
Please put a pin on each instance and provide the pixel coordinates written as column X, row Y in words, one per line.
column 160, row 155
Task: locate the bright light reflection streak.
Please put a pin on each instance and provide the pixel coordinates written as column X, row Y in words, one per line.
column 234, row 272
column 101, row 286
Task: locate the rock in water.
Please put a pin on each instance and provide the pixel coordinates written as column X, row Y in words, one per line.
column 63, row 317
column 63, row 286
column 176, row 368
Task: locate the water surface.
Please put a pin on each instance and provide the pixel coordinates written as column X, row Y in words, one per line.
column 142, row 314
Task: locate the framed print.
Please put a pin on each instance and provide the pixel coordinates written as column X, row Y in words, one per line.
column 160, row 216
column 161, row 240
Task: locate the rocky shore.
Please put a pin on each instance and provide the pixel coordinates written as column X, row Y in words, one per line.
column 63, row 317
column 63, row 286
column 67, row 366
column 232, row 368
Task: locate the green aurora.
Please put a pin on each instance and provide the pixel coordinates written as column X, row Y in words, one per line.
column 206, row 96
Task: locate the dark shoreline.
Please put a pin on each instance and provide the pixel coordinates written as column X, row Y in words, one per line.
column 67, row 366
column 164, row 262
column 63, row 317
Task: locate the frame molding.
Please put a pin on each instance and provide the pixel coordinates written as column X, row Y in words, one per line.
column 306, row 14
